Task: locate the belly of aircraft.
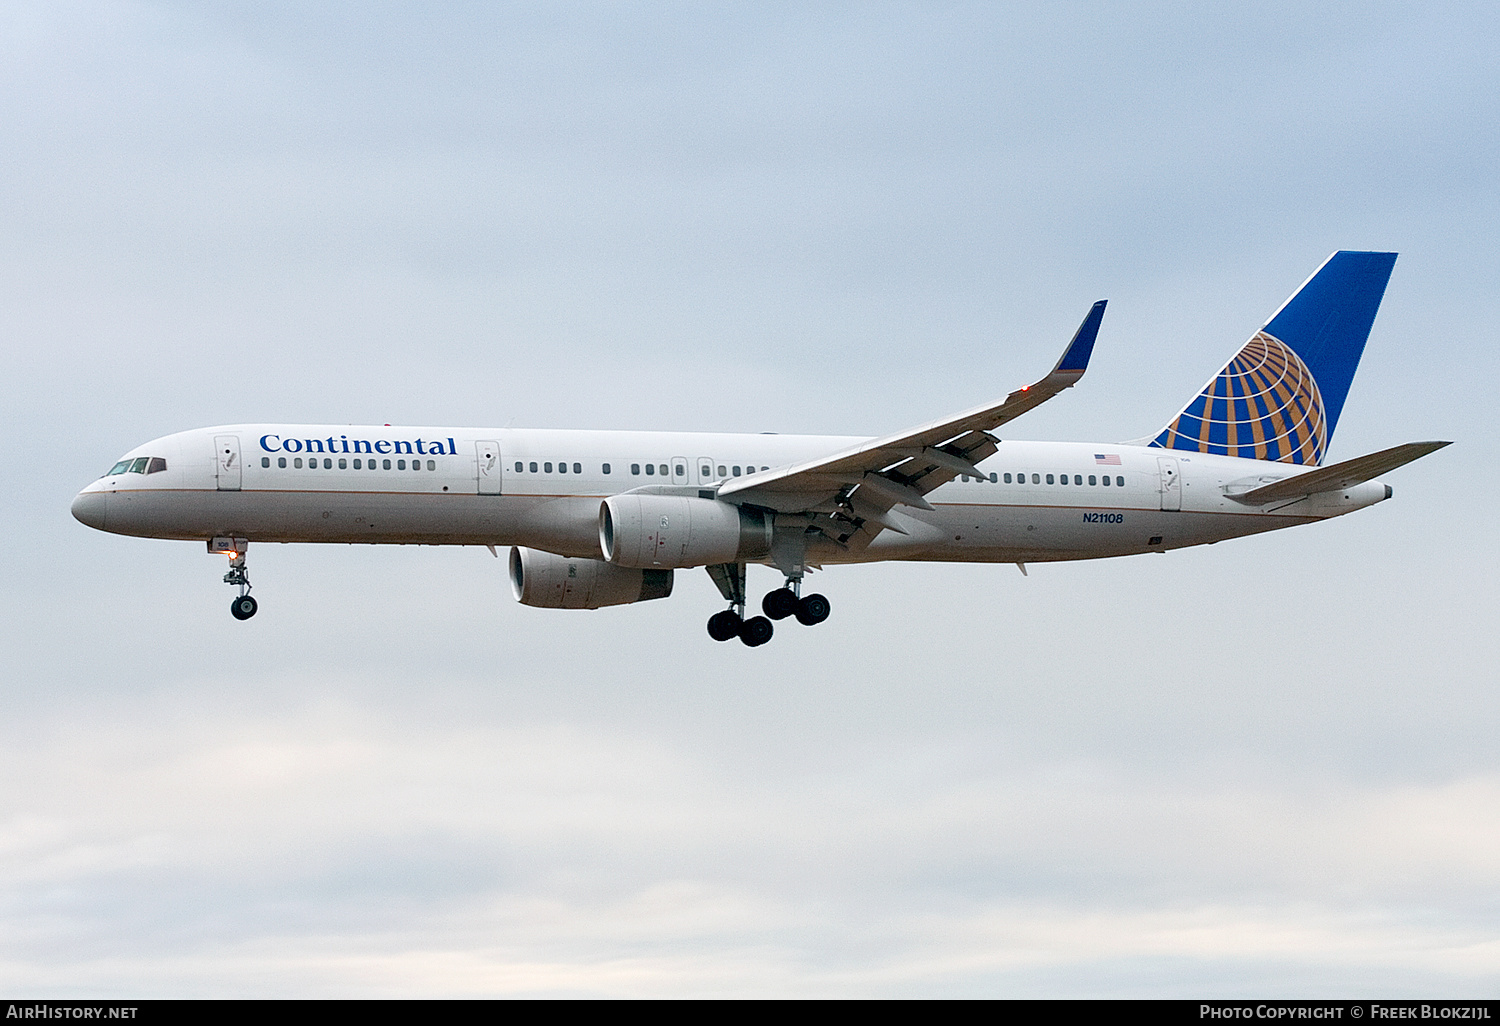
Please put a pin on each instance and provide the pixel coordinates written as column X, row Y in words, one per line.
column 1023, row 534
column 568, row 525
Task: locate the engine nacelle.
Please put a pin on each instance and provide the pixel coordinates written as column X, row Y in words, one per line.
column 639, row 530
column 560, row 582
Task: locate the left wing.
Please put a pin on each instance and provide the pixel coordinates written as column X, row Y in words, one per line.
column 866, row 481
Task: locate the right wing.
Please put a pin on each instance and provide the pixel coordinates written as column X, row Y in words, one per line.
column 866, row 481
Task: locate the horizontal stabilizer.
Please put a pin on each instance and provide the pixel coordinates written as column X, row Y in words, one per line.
column 1339, row 475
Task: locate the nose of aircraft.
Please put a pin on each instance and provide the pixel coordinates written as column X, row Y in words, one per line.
column 88, row 508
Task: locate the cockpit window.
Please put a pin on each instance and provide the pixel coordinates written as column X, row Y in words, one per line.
column 139, row 466
column 156, row 466
column 119, row 468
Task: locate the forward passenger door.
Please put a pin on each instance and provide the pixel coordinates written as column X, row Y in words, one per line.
column 227, row 462
column 488, row 456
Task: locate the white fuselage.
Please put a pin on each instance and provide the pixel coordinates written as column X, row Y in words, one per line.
column 467, row 486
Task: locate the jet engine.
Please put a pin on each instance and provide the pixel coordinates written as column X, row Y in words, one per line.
column 560, row 582
column 674, row 530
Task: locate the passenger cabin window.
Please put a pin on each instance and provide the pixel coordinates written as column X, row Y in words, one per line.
column 547, row 467
column 265, row 461
column 606, row 468
column 343, row 463
column 651, row 469
column 635, row 468
column 520, row 467
column 1120, row 481
column 281, row 462
column 577, row 467
column 735, row 471
column 680, row 470
column 1049, row 478
column 662, row 470
column 723, row 470
column 533, row 467
column 562, row 468
column 705, row 471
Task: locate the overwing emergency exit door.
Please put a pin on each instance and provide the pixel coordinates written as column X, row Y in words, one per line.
column 227, row 462
column 488, row 456
column 1171, row 484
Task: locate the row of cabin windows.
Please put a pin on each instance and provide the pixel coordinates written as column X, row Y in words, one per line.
column 546, row 468
column 650, row 469
column 312, row 463
column 1077, row 479
column 139, row 465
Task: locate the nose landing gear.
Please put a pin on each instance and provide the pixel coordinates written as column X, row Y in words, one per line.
column 243, row 606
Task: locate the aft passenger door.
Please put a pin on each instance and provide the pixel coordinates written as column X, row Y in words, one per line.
column 227, row 462
column 488, row 456
column 1171, row 484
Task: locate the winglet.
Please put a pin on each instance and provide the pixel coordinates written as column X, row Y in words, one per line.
column 1075, row 359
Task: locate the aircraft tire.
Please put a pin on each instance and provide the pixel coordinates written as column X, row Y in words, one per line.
column 779, row 604
column 756, row 631
column 723, row 626
column 813, row 609
column 243, row 607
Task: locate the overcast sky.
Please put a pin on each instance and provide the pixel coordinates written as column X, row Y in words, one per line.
column 1267, row 767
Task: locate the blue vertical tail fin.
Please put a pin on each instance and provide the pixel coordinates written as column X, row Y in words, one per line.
column 1281, row 395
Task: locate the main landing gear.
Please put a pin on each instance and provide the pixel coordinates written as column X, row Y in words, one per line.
column 809, row 610
column 777, row 605
column 243, row 606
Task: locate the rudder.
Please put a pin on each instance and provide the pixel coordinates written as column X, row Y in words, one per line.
column 1281, row 396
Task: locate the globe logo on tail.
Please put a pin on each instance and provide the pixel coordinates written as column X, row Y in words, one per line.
column 1263, row 405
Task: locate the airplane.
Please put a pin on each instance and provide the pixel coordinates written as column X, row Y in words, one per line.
column 605, row 518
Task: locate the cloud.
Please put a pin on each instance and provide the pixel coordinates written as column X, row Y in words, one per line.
column 190, row 846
